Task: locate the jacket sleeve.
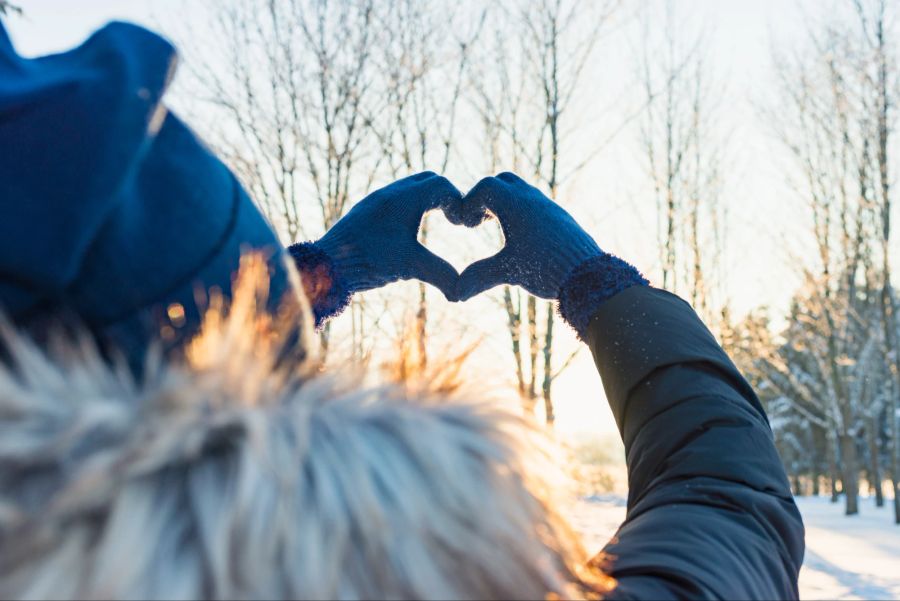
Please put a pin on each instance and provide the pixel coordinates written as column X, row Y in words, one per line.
column 710, row 512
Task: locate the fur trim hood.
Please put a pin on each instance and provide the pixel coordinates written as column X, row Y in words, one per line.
column 231, row 472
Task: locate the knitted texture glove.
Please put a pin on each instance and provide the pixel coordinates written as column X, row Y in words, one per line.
column 325, row 291
column 546, row 251
column 590, row 285
column 376, row 243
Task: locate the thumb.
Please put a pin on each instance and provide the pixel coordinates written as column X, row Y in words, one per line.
column 432, row 269
column 483, row 275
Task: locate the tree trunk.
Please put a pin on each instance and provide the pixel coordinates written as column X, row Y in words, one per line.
column 819, row 460
column 885, row 102
column 895, row 456
column 850, row 474
column 833, row 467
column 533, row 344
column 546, row 388
column 894, row 416
column 422, row 328
column 874, row 464
column 514, row 325
column 896, row 502
column 422, row 312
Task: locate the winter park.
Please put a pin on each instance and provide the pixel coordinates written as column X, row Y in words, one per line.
column 449, row 299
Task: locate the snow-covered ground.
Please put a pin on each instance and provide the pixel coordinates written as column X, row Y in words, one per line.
column 849, row 557
column 846, row 558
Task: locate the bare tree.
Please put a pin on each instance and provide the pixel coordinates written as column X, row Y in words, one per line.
column 423, row 60
column 834, row 117
column 825, row 378
column 683, row 154
column 880, row 75
column 316, row 99
column 501, row 92
column 290, row 83
column 533, row 67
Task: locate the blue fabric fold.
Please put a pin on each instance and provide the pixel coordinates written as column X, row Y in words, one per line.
column 110, row 207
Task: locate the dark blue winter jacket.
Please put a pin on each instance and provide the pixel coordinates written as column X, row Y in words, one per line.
column 710, row 510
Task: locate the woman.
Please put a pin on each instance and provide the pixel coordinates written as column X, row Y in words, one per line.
column 231, row 469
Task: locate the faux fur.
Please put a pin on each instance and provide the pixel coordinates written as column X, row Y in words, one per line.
column 591, row 284
column 328, row 294
column 228, row 474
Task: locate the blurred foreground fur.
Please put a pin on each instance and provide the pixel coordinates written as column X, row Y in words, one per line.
column 406, row 367
column 231, row 472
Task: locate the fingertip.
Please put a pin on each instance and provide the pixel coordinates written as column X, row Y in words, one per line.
column 437, row 192
column 464, row 284
column 483, row 185
column 480, row 276
column 458, row 212
column 448, row 190
column 509, row 177
column 432, row 269
column 464, row 293
column 490, row 193
column 472, row 289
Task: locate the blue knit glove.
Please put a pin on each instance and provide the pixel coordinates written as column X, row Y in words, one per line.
column 376, row 243
column 546, row 251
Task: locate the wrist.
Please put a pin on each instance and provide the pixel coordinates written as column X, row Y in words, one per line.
column 590, row 284
column 323, row 282
column 569, row 243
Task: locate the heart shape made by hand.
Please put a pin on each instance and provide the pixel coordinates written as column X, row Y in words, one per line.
column 459, row 245
column 377, row 241
column 542, row 243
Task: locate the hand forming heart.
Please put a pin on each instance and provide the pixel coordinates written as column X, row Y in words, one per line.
column 545, row 251
column 376, row 242
column 543, row 243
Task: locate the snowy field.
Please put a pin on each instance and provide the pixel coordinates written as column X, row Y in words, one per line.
column 846, row 558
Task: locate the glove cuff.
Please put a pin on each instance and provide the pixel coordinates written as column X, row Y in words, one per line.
column 327, row 292
column 592, row 283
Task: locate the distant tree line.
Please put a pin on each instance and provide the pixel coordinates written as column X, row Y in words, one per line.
column 829, row 377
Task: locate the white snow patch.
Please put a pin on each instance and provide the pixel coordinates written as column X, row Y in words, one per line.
column 846, row 557
column 854, row 557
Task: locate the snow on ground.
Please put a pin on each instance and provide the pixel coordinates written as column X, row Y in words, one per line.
column 846, row 557
column 850, row 557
